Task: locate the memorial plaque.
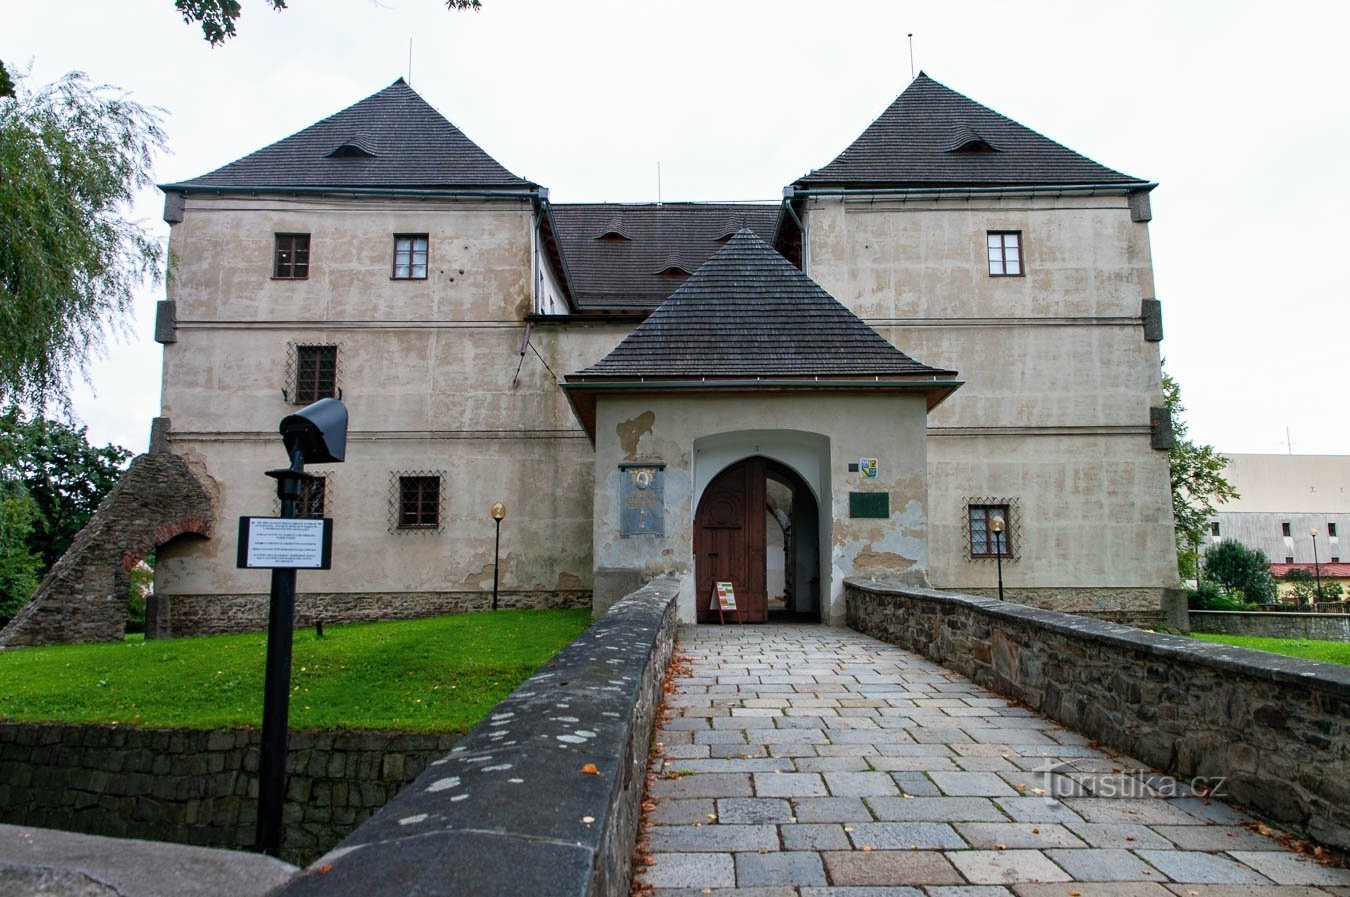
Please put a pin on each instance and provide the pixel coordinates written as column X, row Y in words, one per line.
column 642, row 498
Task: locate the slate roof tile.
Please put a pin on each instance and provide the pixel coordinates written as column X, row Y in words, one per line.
column 916, row 143
column 391, row 139
column 626, row 275
column 747, row 312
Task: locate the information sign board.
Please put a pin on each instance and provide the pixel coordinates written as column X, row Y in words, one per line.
column 279, row 543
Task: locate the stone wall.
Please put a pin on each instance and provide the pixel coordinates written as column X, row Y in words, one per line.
column 84, row 596
column 543, row 797
column 1275, row 729
column 174, row 616
column 200, row 787
column 1273, row 624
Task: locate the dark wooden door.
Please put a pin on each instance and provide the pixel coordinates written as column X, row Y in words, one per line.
column 729, row 540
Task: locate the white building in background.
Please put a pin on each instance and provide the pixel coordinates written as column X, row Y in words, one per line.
column 1283, row 500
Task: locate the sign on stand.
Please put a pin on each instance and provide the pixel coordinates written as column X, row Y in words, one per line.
column 724, row 600
column 280, row 543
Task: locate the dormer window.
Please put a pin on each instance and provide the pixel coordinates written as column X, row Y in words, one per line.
column 975, row 146
column 614, row 231
column 675, row 267
column 673, row 271
column 354, row 148
column 730, row 228
column 966, row 140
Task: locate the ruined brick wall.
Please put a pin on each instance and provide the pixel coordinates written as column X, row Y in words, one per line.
column 201, row 787
column 84, row 596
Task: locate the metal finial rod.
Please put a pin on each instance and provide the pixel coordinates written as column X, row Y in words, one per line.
column 911, row 55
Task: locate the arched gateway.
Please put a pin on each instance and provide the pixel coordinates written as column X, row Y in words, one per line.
column 750, row 347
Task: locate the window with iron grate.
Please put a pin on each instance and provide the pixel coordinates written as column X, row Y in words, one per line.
column 419, row 502
column 315, row 373
column 313, row 499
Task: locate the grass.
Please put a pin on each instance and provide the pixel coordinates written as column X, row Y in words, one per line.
column 1309, row 649
column 434, row 675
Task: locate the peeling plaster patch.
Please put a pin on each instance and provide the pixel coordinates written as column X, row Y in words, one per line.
column 413, row 820
column 568, row 582
column 881, row 561
column 630, row 432
column 444, row 784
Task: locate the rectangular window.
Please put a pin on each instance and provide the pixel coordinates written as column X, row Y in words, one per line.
column 984, row 542
column 410, row 256
column 312, row 495
column 1288, row 558
column 419, row 502
column 1005, row 253
column 291, row 257
column 1331, row 529
column 315, row 373
column 1214, row 528
column 1284, row 530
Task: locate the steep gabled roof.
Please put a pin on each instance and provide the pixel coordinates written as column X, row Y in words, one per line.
column 925, row 138
column 632, row 272
column 393, row 139
column 747, row 312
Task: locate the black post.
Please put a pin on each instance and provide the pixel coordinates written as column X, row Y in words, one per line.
column 496, row 560
column 999, row 560
column 277, row 682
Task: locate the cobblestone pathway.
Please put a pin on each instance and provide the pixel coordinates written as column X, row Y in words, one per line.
column 817, row 762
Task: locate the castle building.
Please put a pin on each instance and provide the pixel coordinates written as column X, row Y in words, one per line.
column 952, row 323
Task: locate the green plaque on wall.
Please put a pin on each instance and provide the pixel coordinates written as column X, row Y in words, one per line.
column 869, row 504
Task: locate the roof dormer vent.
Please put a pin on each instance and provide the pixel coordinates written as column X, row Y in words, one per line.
column 613, row 231
column 354, row 148
column 967, row 140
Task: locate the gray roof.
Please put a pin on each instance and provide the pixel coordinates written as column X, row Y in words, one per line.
column 933, row 136
column 393, row 139
column 747, row 312
column 629, row 258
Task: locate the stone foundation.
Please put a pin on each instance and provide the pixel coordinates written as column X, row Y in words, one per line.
column 201, row 787
column 1273, row 624
column 1274, row 729
column 175, row 616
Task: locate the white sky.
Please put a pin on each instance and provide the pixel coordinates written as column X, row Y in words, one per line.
column 1238, row 109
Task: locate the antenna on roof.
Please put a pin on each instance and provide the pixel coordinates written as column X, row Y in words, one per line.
column 1289, row 443
column 911, row 55
column 658, row 183
column 410, row 62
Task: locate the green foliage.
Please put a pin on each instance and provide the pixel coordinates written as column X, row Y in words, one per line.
column 142, row 578
column 1309, row 649
column 61, row 472
column 6, row 82
column 72, row 155
column 218, row 17
column 20, row 567
column 1198, row 483
column 1304, row 587
column 1241, row 569
column 437, row 675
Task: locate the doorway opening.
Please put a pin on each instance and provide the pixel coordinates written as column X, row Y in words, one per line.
column 758, row 527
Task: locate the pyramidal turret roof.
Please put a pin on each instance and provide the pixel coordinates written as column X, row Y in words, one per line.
column 747, row 312
column 392, row 139
column 932, row 136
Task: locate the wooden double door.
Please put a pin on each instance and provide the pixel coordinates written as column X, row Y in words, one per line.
column 729, row 540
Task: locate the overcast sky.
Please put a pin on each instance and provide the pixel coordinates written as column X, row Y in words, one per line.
column 1238, row 109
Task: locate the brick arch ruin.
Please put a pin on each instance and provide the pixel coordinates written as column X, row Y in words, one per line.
column 84, row 596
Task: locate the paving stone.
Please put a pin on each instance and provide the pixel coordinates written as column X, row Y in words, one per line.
column 861, row 892
column 1038, row 809
column 994, row 867
column 789, row 784
column 690, row 870
column 736, row 764
column 935, row 809
column 905, row 836
column 734, row 751
column 787, row 868
column 720, row 736
column 710, row 784
column 751, row 810
column 711, row 838
column 861, row 784
column 831, row 809
column 683, row 812
column 725, row 892
column 1017, row 834
column 1291, row 869
column 814, row 836
column 1094, row 889
column 1192, row 890
column 916, row 784
column 971, row 891
column 1214, row 837
column 1148, row 812
column 911, row 764
column 1201, row 868
column 684, row 751
column 1104, row 864
column 1210, row 810
column 972, row 784
column 890, row 867
column 1127, row 836
column 832, row 764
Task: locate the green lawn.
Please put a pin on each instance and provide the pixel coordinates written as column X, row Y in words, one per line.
column 1329, row 652
column 436, row 675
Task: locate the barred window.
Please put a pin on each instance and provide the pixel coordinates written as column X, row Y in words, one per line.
column 984, row 542
column 312, row 501
column 1005, row 253
column 291, row 259
column 419, row 502
column 410, row 256
column 315, row 373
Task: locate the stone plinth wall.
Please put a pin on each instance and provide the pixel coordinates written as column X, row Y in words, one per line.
column 1275, row 729
column 542, row 798
column 174, row 616
column 200, row 787
column 1273, row 624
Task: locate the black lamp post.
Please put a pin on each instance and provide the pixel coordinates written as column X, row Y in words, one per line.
column 1317, row 566
column 996, row 525
column 498, row 512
